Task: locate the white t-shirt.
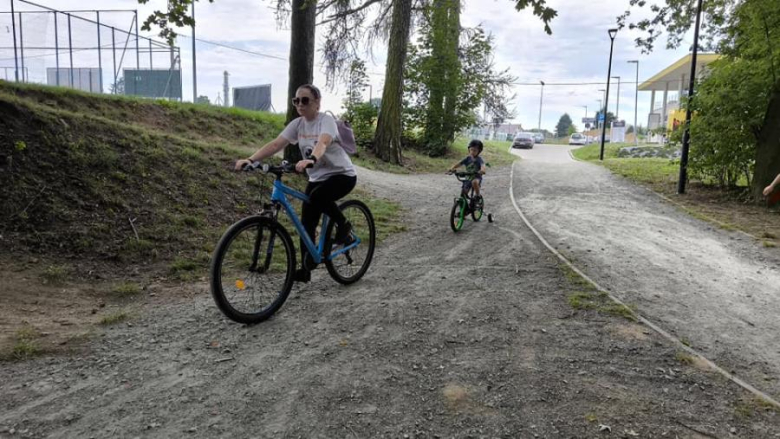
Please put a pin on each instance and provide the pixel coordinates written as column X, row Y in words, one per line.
column 305, row 133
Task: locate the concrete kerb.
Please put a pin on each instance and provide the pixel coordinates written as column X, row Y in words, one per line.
column 675, row 341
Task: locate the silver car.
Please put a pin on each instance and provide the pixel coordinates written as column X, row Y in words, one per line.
column 523, row 140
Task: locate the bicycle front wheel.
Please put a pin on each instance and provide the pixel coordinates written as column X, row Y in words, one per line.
column 347, row 267
column 457, row 214
column 252, row 270
column 479, row 206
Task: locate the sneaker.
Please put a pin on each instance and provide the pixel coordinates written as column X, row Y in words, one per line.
column 344, row 234
column 302, row 275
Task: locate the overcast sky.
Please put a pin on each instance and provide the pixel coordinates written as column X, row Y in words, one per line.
column 576, row 52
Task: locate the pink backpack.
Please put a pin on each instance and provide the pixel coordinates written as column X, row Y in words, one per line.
column 346, row 135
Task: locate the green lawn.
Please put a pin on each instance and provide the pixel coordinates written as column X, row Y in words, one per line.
column 652, row 171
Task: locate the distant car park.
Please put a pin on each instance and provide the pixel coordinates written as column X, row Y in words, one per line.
column 538, row 138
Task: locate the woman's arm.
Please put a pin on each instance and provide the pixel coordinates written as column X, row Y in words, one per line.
column 266, row 151
column 771, row 187
column 319, row 150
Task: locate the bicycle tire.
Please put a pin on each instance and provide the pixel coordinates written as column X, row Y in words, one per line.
column 457, row 214
column 276, row 274
column 363, row 226
column 477, row 213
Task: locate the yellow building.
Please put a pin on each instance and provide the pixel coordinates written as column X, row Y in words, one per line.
column 673, row 83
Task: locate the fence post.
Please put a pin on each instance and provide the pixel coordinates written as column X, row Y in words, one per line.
column 137, row 50
column 70, row 49
column 13, row 29
column 56, row 50
column 113, row 53
column 21, row 44
column 100, row 54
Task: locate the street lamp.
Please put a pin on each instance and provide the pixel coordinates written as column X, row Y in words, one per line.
column 540, row 106
column 687, row 134
column 636, row 101
column 586, row 110
column 617, row 107
column 612, row 33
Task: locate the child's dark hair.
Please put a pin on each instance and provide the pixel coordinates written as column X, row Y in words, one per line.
column 314, row 90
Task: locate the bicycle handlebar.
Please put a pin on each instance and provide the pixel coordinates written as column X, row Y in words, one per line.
column 462, row 176
column 284, row 168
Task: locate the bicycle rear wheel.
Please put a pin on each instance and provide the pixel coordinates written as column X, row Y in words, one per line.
column 457, row 214
column 252, row 270
column 348, row 267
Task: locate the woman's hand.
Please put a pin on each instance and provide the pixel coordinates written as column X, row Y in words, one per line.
column 303, row 164
column 768, row 190
column 241, row 163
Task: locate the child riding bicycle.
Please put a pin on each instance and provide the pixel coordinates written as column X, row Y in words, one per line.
column 473, row 163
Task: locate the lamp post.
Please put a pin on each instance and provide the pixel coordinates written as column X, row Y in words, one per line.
column 541, row 98
column 617, row 107
column 687, row 134
column 13, row 26
column 636, row 101
column 612, row 33
column 194, row 59
column 586, row 110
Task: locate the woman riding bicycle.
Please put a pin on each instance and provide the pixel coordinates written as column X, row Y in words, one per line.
column 331, row 172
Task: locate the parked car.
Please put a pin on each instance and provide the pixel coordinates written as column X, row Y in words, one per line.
column 578, row 139
column 523, row 140
column 538, row 138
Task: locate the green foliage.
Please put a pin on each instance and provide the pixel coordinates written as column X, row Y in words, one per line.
column 20, row 146
column 564, row 126
column 730, row 104
column 363, row 117
column 476, row 84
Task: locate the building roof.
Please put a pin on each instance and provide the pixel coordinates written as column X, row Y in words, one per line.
column 674, row 72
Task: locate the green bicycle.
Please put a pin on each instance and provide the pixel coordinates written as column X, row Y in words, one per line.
column 467, row 203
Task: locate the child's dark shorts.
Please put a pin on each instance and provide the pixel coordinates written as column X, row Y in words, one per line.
column 467, row 184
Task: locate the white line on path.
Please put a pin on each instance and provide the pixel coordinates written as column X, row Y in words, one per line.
column 674, row 340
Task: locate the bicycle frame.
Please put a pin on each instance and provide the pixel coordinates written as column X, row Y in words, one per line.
column 279, row 195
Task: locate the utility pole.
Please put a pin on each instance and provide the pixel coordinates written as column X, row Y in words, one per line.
column 636, row 102
column 226, row 89
column 541, row 99
column 194, row 59
column 13, row 29
column 687, row 134
column 617, row 107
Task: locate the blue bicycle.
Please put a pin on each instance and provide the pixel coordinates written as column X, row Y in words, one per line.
column 253, row 265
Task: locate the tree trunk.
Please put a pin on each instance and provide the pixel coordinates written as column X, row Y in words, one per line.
column 387, row 140
column 768, row 147
column 443, row 87
column 302, row 24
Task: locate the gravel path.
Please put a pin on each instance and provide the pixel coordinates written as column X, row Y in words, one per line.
column 448, row 335
column 717, row 290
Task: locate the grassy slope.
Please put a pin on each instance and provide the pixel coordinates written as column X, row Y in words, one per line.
column 76, row 169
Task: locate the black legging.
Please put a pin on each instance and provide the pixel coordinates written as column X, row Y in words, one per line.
column 322, row 199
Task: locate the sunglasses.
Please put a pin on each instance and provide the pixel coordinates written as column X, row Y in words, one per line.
column 301, row 101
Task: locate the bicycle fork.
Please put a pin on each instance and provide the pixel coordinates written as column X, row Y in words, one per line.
column 256, row 251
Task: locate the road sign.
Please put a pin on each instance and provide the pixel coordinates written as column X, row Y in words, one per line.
column 588, row 120
column 601, row 117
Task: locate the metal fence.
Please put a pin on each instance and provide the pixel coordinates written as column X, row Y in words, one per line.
column 92, row 50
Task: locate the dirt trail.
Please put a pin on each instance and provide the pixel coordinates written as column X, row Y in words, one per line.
column 448, row 335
